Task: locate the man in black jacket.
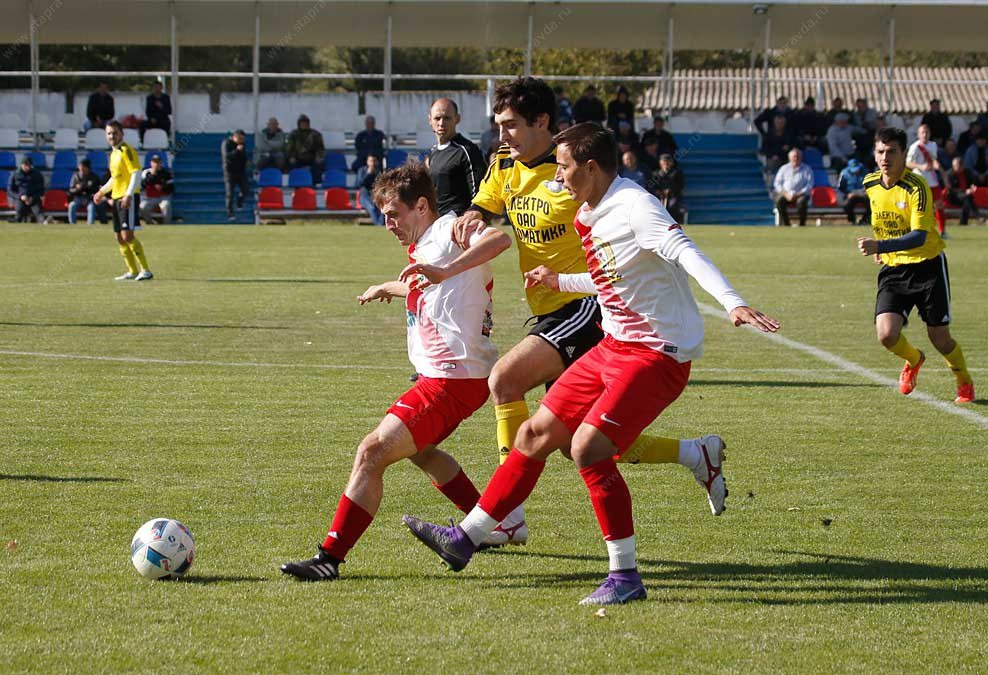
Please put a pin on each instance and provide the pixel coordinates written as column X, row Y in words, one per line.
column 157, row 109
column 83, row 186
column 939, row 123
column 27, row 187
column 668, row 184
column 455, row 163
column 234, row 171
column 658, row 135
column 100, row 109
column 589, row 108
column 961, row 186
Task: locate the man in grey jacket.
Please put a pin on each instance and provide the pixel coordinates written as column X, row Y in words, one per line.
column 270, row 146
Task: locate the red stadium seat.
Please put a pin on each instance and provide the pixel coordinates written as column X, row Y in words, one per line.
column 338, row 199
column 823, row 198
column 271, row 198
column 981, row 197
column 304, row 199
column 55, row 200
column 3, row 198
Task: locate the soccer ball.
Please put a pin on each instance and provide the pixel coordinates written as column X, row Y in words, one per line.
column 162, row 549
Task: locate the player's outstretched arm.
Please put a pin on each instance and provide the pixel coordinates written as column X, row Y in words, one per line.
column 752, row 317
column 384, row 292
column 567, row 283
column 485, row 246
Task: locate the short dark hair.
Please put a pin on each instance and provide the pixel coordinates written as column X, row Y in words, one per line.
column 115, row 124
column 588, row 141
column 86, row 163
column 405, row 183
column 890, row 134
column 529, row 97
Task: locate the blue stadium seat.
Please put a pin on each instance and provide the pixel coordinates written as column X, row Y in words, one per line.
column 99, row 161
column 335, row 160
column 4, row 179
column 159, row 153
column 7, row 160
column 64, row 159
column 38, row 159
column 813, row 158
column 334, row 178
column 60, row 179
column 395, row 158
column 301, row 177
column 269, row 177
column 820, row 178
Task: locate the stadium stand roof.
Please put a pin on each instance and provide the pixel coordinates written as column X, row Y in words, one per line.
column 738, row 24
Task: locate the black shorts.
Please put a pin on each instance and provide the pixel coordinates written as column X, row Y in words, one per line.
column 923, row 285
column 129, row 218
column 573, row 329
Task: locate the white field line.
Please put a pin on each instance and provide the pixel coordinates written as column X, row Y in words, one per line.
column 859, row 370
column 183, row 362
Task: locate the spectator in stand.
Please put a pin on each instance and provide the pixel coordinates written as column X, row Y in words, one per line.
column 666, row 144
column 564, row 108
column 983, row 118
column 27, row 186
column 976, row 160
column 83, row 186
column 99, row 109
column 269, row 146
column 157, row 108
column 455, row 163
column 648, row 159
column 939, row 123
column 966, row 139
column 589, row 108
column 836, row 108
column 766, row 120
column 865, row 121
column 370, row 141
column 851, row 185
column 489, row 140
column 948, row 152
column 921, row 158
column 157, row 188
column 961, row 186
column 630, row 170
column 621, row 109
column 366, row 176
column 234, row 155
column 793, row 185
column 626, row 136
column 668, row 183
column 777, row 144
column 810, row 126
column 563, row 125
column 305, row 148
column 840, row 142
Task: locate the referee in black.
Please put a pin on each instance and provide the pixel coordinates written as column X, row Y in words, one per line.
column 455, row 163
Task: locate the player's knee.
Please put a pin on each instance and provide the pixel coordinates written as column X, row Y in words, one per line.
column 504, row 385
column 533, row 437
column 370, row 455
column 888, row 338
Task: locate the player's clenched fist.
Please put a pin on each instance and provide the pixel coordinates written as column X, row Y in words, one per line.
column 542, row 276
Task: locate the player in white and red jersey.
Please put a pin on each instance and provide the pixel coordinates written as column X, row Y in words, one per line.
column 639, row 261
column 449, row 326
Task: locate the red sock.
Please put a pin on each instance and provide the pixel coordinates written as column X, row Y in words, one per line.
column 510, row 485
column 349, row 524
column 610, row 498
column 461, row 491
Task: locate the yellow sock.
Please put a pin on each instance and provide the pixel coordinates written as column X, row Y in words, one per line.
column 129, row 258
column 138, row 250
column 903, row 349
column 955, row 360
column 510, row 417
column 651, row 450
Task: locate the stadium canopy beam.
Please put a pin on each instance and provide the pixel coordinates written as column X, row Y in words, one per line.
column 35, row 78
column 256, row 75
column 389, row 39
column 530, row 45
column 174, row 60
column 890, row 105
column 765, row 58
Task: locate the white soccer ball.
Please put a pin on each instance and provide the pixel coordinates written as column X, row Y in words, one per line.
column 162, row 549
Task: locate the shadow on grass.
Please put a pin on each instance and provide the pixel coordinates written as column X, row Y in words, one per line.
column 62, row 479
column 269, row 281
column 781, row 383
column 212, row 579
column 38, row 324
column 822, row 579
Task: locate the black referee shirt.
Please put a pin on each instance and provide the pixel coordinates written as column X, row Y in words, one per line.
column 457, row 169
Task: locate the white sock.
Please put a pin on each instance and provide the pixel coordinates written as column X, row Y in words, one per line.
column 515, row 517
column 478, row 525
column 621, row 553
column 689, row 453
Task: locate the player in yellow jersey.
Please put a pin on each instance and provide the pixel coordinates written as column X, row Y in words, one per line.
column 124, row 189
column 520, row 184
column 914, row 267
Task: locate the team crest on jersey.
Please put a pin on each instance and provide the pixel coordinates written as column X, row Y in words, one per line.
column 901, row 205
column 555, row 187
column 605, row 257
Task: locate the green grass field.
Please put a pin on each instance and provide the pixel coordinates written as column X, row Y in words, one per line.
column 230, row 393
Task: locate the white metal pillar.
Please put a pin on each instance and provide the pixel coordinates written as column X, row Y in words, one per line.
column 768, row 46
column 752, row 85
column 35, row 78
column 890, row 106
column 387, row 81
column 670, row 56
column 174, row 59
column 256, row 76
column 489, row 98
column 529, row 44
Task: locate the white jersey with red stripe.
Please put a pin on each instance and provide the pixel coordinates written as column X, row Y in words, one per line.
column 449, row 324
column 640, row 261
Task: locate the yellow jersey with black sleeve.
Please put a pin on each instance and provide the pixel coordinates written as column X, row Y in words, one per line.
column 541, row 212
column 123, row 163
column 899, row 209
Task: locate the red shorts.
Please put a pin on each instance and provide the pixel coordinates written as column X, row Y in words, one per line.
column 434, row 407
column 618, row 387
